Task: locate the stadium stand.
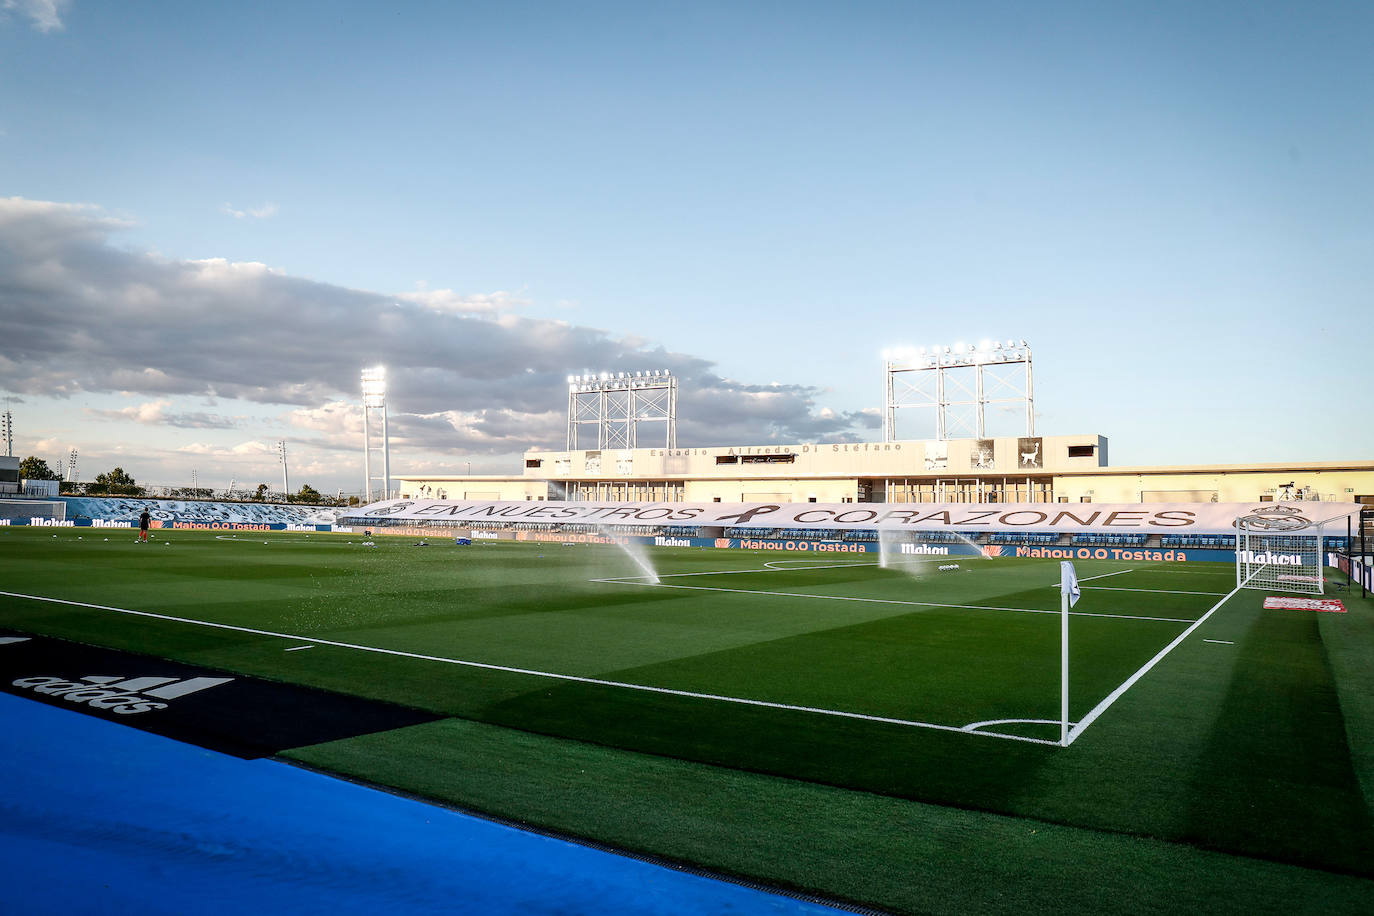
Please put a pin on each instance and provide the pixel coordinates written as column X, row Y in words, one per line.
column 815, row 534
column 1199, row 541
column 761, row 533
column 1021, row 537
column 122, row 509
column 1109, row 540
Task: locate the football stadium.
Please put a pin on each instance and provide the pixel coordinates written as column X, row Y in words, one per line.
column 981, row 674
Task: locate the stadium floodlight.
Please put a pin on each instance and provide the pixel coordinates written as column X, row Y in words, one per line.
column 374, row 402
column 943, row 382
column 617, row 402
column 374, row 386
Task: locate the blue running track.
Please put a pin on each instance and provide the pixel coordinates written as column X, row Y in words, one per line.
column 99, row 818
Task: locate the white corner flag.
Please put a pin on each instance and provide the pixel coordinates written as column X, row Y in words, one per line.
column 1069, row 594
column 1068, row 582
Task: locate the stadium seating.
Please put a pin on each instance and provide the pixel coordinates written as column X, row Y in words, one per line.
column 1109, row 540
column 761, row 533
column 1199, row 541
column 1022, row 537
column 123, row 508
column 813, row 534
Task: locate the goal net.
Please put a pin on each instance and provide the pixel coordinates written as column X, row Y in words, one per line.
column 1279, row 554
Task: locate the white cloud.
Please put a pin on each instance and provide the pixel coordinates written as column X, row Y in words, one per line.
column 155, row 413
column 465, row 375
column 45, row 14
column 251, row 448
column 446, row 301
column 266, row 211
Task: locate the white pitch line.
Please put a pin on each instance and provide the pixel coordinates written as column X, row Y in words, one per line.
column 545, row 674
column 636, row 580
column 775, row 566
column 1119, row 572
column 1221, row 642
column 1152, row 591
column 1116, row 694
column 769, row 567
column 298, row 648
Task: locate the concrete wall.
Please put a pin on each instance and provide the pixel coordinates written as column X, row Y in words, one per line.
column 1227, row 483
column 920, row 470
column 1002, row 456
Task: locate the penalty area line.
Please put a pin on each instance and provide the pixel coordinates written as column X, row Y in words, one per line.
column 690, row 694
column 640, row 580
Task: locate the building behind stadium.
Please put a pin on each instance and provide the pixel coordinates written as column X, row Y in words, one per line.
column 1034, row 469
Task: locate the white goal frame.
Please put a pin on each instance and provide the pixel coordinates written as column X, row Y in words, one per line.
column 1279, row 554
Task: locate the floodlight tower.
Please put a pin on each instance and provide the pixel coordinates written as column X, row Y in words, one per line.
column 617, row 402
column 71, row 467
column 9, row 434
column 963, row 377
column 281, row 455
column 374, row 435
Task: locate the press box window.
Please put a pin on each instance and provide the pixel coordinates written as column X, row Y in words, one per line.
column 534, row 462
column 1082, row 451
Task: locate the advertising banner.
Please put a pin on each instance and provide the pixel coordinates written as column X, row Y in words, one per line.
column 1064, row 518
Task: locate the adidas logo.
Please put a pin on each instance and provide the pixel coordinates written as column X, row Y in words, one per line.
column 125, row 697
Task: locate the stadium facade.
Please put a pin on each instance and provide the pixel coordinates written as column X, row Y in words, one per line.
column 1020, row 469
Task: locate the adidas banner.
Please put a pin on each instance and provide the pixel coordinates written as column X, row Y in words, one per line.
column 223, row 711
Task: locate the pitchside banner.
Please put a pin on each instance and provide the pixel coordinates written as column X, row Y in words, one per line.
column 1102, row 518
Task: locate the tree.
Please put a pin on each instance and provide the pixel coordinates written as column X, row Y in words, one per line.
column 116, row 482
column 261, row 492
column 32, row 468
column 308, row 494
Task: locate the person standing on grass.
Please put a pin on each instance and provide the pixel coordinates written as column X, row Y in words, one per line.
column 144, row 520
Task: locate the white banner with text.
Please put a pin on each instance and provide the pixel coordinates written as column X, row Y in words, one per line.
column 1075, row 518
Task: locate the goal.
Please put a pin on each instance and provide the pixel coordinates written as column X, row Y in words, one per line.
column 1279, row 554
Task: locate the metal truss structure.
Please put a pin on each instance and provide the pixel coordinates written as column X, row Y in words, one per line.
column 616, row 403
column 958, row 383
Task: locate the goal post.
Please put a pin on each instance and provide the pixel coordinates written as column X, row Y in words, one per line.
column 1279, row 554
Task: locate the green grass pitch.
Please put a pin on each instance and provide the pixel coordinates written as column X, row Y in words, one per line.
column 881, row 736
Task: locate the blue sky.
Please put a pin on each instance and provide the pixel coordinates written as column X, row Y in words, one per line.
column 245, row 205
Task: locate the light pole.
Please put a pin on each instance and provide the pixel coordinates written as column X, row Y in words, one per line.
column 285, row 486
column 374, row 401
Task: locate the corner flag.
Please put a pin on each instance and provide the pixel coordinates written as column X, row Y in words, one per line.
column 1068, row 582
column 1069, row 594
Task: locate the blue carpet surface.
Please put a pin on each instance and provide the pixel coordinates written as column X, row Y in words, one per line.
column 99, row 818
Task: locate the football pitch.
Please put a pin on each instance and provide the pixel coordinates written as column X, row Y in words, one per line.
column 889, row 737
